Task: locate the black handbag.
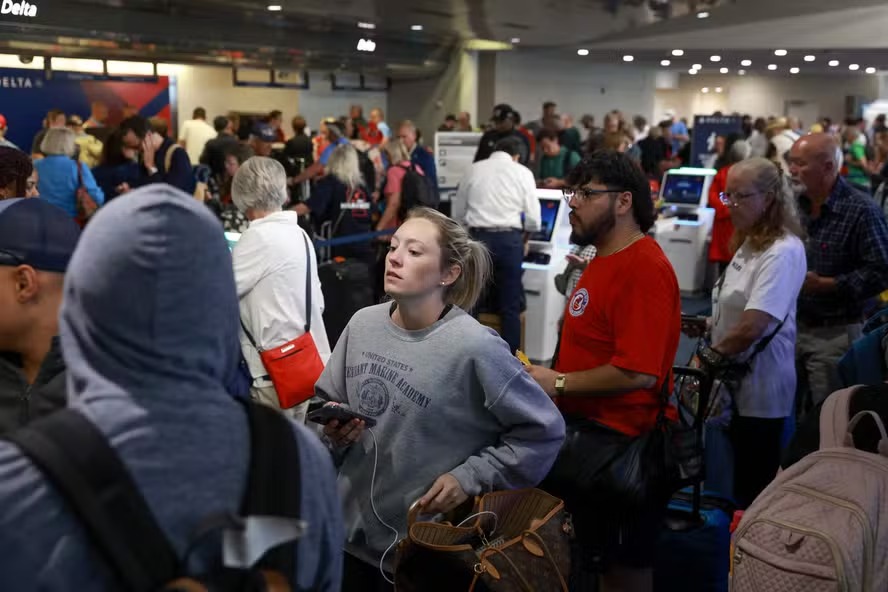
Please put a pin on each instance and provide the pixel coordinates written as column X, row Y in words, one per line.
column 611, row 481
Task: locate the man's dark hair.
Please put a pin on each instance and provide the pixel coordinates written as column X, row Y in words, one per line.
column 52, row 114
column 516, row 117
column 665, row 124
column 549, row 104
column 510, row 145
column 547, row 134
column 275, row 114
column 618, row 171
column 136, row 124
column 298, row 124
column 15, row 168
column 160, row 125
column 199, row 113
column 450, row 117
column 220, row 123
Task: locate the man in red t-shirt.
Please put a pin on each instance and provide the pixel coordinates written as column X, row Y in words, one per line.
column 619, row 340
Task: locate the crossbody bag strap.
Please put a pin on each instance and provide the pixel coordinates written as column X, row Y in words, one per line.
column 307, row 284
column 77, row 166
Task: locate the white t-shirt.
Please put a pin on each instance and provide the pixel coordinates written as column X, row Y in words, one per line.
column 196, row 133
column 269, row 270
column 769, row 282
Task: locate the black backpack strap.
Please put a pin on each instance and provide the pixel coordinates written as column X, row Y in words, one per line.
column 274, row 481
column 77, row 459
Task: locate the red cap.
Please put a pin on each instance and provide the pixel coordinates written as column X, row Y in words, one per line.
column 2, row 122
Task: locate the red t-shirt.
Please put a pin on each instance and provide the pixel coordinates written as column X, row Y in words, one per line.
column 625, row 311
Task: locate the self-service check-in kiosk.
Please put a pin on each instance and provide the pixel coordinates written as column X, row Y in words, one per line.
column 545, row 260
column 684, row 228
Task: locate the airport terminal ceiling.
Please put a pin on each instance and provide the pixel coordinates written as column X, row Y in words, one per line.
column 316, row 33
column 417, row 38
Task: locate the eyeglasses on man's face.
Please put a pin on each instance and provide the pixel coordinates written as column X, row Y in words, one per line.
column 735, row 198
column 583, row 194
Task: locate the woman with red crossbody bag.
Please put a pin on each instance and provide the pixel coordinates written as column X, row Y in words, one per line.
column 281, row 305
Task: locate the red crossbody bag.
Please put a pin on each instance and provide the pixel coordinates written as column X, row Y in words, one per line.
column 295, row 366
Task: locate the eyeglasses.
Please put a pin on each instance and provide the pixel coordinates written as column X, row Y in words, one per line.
column 734, row 198
column 586, row 194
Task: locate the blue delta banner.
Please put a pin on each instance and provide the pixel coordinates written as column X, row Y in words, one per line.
column 704, row 142
column 27, row 95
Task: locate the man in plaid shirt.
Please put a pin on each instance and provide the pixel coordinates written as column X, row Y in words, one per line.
column 847, row 248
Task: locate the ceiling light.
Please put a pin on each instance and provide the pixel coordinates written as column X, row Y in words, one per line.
column 810, row 58
column 416, row 27
column 367, row 45
column 741, row 72
column 678, row 52
column 724, row 70
column 583, row 52
column 718, row 89
column 275, row 7
column 772, row 67
column 715, row 58
column 369, row 26
column 854, row 67
column 793, row 70
column 696, row 66
column 780, row 52
column 628, row 58
column 692, row 72
column 746, row 63
column 833, row 63
column 516, row 39
column 870, row 70
column 665, row 62
column 702, row 15
column 705, row 89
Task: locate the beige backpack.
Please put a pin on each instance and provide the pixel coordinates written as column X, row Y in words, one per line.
column 821, row 525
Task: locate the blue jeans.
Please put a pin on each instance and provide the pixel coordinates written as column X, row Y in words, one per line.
column 507, row 251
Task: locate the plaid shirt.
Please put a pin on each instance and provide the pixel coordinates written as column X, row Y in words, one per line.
column 848, row 242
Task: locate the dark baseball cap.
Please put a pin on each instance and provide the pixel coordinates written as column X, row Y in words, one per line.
column 502, row 112
column 36, row 233
column 264, row 132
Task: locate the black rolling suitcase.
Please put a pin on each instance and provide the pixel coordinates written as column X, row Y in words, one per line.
column 347, row 288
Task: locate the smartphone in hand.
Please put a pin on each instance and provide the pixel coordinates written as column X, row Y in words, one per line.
column 341, row 413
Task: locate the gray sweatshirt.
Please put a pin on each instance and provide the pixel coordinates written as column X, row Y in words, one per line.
column 447, row 399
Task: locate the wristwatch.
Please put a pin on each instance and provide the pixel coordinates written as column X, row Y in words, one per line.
column 560, row 382
column 152, row 170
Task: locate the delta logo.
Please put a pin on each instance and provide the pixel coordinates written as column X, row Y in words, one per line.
column 18, row 8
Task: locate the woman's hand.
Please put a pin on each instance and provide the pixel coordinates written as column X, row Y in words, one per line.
column 346, row 435
column 446, row 494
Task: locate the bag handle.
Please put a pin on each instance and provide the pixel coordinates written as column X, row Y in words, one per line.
column 883, row 442
column 77, row 165
column 548, row 554
column 308, row 290
column 834, row 418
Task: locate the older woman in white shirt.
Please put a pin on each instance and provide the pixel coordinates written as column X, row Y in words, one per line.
column 754, row 318
column 269, row 269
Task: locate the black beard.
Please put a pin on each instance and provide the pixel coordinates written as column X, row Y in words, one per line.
column 594, row 234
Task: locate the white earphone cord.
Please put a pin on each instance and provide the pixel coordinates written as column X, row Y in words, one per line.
column 376, row 512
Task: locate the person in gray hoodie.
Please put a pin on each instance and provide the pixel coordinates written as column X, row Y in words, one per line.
column 456, row 414
column 149, row 333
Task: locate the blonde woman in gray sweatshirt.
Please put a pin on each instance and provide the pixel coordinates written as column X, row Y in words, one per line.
column 456, row 414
